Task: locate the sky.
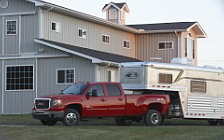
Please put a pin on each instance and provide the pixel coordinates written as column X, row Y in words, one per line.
column 209, row 14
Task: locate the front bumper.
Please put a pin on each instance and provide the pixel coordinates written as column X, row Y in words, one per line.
column 45, row 115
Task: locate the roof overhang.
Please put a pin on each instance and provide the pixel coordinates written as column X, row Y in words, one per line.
column 93, row 59
column 200, row 33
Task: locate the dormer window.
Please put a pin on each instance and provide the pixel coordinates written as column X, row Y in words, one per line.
column 112, row 14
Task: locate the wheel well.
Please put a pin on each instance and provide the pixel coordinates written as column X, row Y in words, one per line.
column 77, row 107
column 156, row 106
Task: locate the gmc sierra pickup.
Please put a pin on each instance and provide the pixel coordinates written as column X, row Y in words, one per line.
column 86, row 100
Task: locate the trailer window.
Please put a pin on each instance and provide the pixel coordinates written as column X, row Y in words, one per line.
column 165, row 78
column 198, row 87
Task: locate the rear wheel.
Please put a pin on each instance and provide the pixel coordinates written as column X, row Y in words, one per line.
column 122, row 121
column 50, row 122
column 71, row 117
column 152, row 118
column 212, row 122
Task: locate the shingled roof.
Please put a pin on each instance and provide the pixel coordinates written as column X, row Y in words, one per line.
column 119, row 5
column 163, row 26
column 89, row 52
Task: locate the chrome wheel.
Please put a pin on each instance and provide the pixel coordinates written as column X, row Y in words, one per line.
column 71, row 118
column 154, row 118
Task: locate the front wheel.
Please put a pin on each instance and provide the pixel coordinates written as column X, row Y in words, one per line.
column 152, row 118
column 71, row 117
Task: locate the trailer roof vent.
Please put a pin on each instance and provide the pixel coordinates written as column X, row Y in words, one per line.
column 183, row 61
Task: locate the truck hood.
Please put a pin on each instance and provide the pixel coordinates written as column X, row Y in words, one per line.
column 62, row 96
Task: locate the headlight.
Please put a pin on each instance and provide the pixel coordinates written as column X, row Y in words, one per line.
column 56, row 102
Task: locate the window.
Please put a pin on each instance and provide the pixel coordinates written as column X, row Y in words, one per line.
column 19, row 77
column 106, row 39
column 82, row 33
column 109, row 76
column 185, row 47
column 165, row 45
column 66, row 76
column 112, row 14
column 113, row 90
column 98, row 89
column 193, row 49
column 55, row 26
column 126, row 44
column 198, row 86
column 11, row 27
column 165, row 78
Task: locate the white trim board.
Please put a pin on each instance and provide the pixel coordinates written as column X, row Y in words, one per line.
column 31, row 56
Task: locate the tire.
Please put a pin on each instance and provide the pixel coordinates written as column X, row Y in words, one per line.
column 71, row 117
column 221, row 122
column 152, row 118
column 50, row 122
column 212, row 122
column 121, row 121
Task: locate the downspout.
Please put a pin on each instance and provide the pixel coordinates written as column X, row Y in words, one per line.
column 178, row 45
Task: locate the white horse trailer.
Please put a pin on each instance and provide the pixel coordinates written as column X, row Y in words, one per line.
column 196, row 92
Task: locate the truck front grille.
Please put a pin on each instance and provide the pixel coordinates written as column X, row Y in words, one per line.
column 42, row 103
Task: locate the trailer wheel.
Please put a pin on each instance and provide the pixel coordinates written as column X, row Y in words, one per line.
column 49, row 122
column 212, row 122
column 125, row 122
column 221, row 122
column 152, row 118
column 71, row 117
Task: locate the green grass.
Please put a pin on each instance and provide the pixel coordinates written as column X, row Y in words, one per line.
column 26, row 128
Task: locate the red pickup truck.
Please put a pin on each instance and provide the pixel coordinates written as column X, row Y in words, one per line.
column 86, row 100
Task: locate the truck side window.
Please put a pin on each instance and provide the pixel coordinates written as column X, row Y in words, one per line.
column 97, row 90
column 165, row 78
column 113, row 90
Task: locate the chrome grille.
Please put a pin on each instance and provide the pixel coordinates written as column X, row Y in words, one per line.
column 42, row 103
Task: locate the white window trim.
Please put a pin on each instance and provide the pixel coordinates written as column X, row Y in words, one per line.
column 82, row 30
column 165, row 45
column 107, row 36
column 26, row 90
column 65, row 79
column 57, row 23
column 16, row 27
column 129, row 44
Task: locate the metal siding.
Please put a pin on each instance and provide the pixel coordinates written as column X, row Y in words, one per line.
column 1, row 33
column 27, row 33
column 69, row 34
column 84, row 72
column 148, row 47
column 19, row 101
column 1, row 82
column 15, row 6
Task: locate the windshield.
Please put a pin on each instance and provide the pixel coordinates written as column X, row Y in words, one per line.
column 76, row 89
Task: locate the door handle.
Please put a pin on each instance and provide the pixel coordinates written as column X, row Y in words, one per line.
column 103, row 99
column 120, row 99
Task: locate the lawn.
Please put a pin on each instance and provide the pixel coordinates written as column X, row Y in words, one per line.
column 23, row 127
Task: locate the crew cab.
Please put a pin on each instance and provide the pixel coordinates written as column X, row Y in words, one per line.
column 88, row 100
